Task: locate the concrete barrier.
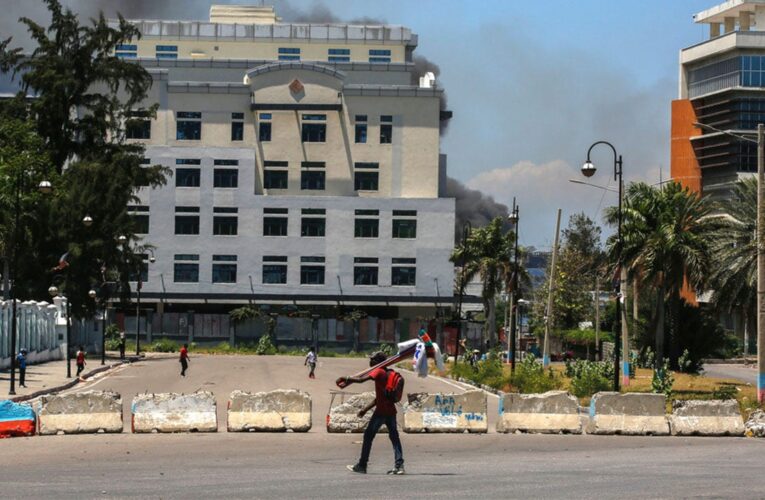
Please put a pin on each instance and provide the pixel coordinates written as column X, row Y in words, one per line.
column 174, row 412
column 80, row 412
column 632, row 414
column 552, row 412
column 16, row 420
column 344, row 418
column 275, row 411
column 446, row 413
column 755, row 424
column 706, row 418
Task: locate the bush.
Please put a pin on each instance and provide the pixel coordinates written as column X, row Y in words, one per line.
column 589, row 378
column 388, row 349
column 530, row 377
column 662, row 380
column 646, row 358
column 688, row 364
column 163, row 345
column 725, row 391
column 265, row 346
column 112, row 337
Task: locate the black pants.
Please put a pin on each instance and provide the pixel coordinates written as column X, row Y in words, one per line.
column 122, row 350
column 80, row 368
column 184, row 367
column 22, row 375
column 369, row 435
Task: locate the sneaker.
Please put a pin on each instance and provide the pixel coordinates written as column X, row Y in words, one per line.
column 357, row 469
column 396, row 471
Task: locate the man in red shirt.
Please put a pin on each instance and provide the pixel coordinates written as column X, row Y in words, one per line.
column 385, row 413
column 184, row 359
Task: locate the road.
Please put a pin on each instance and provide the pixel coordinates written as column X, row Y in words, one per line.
column 312, row 465
column 732, row 371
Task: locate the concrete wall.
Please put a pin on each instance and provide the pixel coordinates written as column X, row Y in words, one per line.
column 446, row 413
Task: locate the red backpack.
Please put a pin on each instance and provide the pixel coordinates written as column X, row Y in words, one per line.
column 394, row 386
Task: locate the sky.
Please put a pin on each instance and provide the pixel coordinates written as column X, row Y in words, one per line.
column 532, row 84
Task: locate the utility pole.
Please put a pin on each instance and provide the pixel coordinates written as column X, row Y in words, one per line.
column 760, row 263
column 625, row 328
column 597, row 318
column 551, row 289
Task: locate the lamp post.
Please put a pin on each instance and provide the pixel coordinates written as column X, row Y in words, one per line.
column 466, row 230
column 123, row 240
column 43, row 187
column 588, row 170
column 514, row 218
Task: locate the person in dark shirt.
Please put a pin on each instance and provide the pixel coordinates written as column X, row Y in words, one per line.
column 385, row 413
column 21, row 361
column 184, row 359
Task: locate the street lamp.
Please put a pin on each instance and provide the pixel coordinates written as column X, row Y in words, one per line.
column 466, row 230
column 43, row 187
column 122, row 239
column 87, row 221
column 588, row 170
column 514, row 218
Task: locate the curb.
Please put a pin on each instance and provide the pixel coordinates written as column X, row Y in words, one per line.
column 69, row 385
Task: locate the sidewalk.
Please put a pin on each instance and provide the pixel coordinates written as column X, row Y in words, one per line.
column 47, row 376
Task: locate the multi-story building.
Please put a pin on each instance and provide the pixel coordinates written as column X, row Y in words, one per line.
column 721, row 86
column 305, row 167
column 721, row 92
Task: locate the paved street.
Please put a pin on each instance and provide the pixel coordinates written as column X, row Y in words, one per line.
column 312, row 465
column 745, row 373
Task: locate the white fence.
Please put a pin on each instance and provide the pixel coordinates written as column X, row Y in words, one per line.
column 40, row 328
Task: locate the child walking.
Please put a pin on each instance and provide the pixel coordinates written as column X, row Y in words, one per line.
column 80, row 360
column 184, row 359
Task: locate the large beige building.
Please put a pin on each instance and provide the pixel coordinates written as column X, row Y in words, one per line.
column 306, row 167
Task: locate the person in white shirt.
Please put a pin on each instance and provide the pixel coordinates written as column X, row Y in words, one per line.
column 310, row 360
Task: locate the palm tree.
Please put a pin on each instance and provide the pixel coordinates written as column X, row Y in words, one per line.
column 734, row 246
column 486, row 253
column 666, row 238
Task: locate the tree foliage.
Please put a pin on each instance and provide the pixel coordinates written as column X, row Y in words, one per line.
column 83, row 96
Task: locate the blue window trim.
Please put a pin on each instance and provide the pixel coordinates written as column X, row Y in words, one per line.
column 167, row 55
column 379, row 52
column 339, row 52
column 166, row 48
column 379, row 59
column 288, row 58
column 127, row 55
column 289, row 50
column 124, row 46
column 339, row 59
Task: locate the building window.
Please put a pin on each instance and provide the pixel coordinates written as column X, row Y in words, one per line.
column 312, row 270
column 139, row 214
column 367, row 224
column 274, row 269
column 275, row 179
column 126, row 51
column 237, row 126
column 188, row 126
column 138, row 125
column 225, row 225
column 225, row 178
column 166, row 51
column 275, row 221
column 338, row 55
column 313, row 222
column 314, row 128
column 187, row 177
column 186, row 224
column 289, row 53
column 143, row 274
column 379, row 56
column 224, row 269
column 186, row 272
column 405, row 223
column 404, row 272
column 386, row 129
column 264, row 127
column 361, row 129
column 312, row 176
column 366, row 176
column 365, row 271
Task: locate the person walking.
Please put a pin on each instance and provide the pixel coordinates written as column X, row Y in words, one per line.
column 122, row 345
column 310, row 361
column 385, row 413
column 184, row 359
column 21, row 362
column 80, row 360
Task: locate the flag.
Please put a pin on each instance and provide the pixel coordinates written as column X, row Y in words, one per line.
column 63, row 263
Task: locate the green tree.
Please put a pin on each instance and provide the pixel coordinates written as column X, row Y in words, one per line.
column 733, row 280
column 487, row 254
column 84, row 96
column 666, row 237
